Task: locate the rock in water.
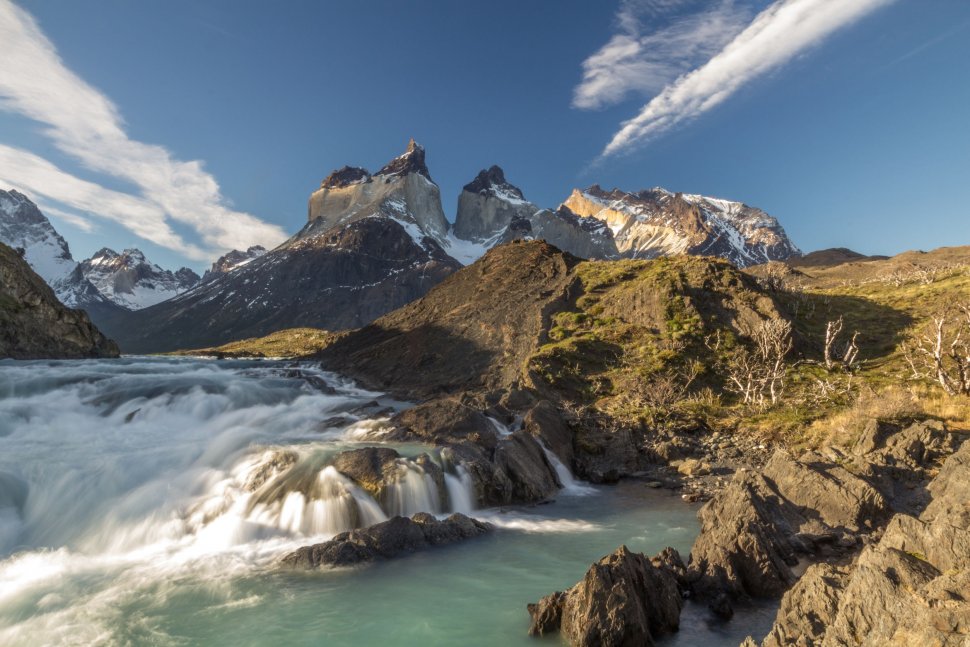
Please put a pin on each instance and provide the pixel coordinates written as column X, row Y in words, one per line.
column 624, row 599
column 35, row 325
column 395, row 537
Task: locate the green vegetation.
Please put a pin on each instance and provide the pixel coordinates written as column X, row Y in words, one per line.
column 293, row 342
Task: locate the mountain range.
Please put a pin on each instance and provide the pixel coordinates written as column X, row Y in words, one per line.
column 372, row 243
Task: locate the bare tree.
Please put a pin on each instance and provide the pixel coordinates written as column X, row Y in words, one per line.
column 846, row 354
column 941, row 352
column 758, row 373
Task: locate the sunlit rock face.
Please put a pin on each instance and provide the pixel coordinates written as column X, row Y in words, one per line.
column 402, row 190
column 656, row 222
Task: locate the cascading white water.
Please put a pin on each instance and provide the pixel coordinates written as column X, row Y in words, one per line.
column 414, row 491
column 461, row 490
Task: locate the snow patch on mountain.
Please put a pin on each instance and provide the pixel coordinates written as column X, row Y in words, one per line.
column 131, row 281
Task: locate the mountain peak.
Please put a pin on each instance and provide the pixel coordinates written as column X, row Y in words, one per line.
column 346, row 176
column 492, row 180
column 412, row 161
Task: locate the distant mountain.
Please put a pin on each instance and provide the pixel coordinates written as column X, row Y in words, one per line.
column 830, row 257
column 656, row 222
column 131, row 281
column 34, row 324
column 372, row 243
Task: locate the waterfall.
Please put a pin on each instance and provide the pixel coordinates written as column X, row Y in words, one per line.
column 569, row 483
column 501, row 428
column 461, row 490
column 414, row 491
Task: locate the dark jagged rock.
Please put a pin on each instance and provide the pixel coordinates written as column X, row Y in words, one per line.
column 412, row 161
column 490, row 178
column 545, row 422
column 345, row 176
column 395, row 537
column 35, row 325
column 624, row 599
column 445, row 421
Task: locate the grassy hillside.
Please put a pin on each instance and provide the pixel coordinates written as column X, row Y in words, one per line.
column 293, row 342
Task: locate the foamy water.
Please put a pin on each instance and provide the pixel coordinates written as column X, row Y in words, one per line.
column 147, row 501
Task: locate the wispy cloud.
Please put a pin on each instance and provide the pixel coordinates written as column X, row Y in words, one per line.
column 776, row 35
column 86, row 125
column 652, row 48
column 75, row 220
column 35, row 176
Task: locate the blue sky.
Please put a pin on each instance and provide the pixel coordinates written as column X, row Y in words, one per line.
column 186, row 128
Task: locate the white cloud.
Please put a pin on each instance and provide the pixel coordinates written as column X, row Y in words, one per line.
column 35, row 176
column 74, row 219
column 643, row 58
column 774, row 37
column 86, row 125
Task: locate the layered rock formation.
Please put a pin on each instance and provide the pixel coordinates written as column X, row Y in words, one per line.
column 389, row 539
column 656, row 222
column 624, row 599
column 402, row 190
column 35, row 325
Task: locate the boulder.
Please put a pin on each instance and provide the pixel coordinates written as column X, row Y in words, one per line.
column 395, row 537
column 522, row 472
column 444, row 421
column 373, row 468
column 624, row 599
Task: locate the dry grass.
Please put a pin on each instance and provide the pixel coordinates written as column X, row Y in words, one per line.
column 290, row 343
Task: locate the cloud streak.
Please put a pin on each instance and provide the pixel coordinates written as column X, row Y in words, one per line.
column 637, row 60
column 86, row 125
column 775, row 36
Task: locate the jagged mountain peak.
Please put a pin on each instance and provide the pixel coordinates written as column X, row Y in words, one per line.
column 130, row 280
column 492, row 180
column 411, row 161
column 345, row 176
column 232, row 260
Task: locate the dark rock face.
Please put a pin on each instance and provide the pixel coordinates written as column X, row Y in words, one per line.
column 491, row 177
column 909, row 588
column 544, row 421
column 445, row 421
column 395, row 537
column 412, row 161
column 342, row 278
column 624, row 599
column 35, row 325
column 371, row 467
column 345, row 176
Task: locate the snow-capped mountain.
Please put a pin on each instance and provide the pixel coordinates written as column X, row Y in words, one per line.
column 232, row 260
column 24, row 226
column 372, row 243
column 131, row 281
column 657, row 222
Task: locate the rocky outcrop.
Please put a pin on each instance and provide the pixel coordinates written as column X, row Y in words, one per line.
column 230, row 261
column 755, row 531
column 909, row 588
column 657, row 222
column 624, row 599
column 35, row 325
column 393, row 538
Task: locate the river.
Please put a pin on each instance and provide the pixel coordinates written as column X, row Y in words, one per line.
column 129, row 516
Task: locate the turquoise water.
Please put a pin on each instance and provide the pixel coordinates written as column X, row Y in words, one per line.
column 128, row 528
